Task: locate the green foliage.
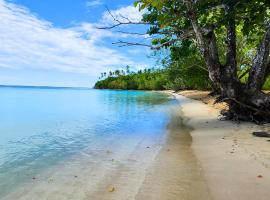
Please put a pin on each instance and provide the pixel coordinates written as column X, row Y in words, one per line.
column 183, row 67
column 170, row 20
column 146, row 80
column 266, row 85
column 171, row 77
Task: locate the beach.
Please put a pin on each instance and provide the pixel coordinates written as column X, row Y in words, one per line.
column 199, row 157
column 236, row 165
column 134, row 100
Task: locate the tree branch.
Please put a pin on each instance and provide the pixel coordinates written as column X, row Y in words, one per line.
column 123, row 23
column 132, row 33
column 231, row 42
column 120, row 23
column 207, row 44
column 123, row 43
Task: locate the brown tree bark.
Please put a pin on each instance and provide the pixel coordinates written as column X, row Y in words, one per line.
column 246, row 102
column 229, row 81
column 258, row 71
column 208, row 47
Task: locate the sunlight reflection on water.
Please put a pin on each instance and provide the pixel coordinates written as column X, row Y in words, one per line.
column 40, row 127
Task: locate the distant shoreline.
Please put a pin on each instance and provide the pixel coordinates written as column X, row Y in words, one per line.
column 43, row 87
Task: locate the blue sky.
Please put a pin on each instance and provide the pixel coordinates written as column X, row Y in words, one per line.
column 56, row 43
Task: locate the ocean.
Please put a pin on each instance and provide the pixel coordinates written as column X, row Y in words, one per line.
column 42, row 127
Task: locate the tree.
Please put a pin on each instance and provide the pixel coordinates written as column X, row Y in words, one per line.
column 155, row 79
column 127, row 69
column 117, row 72
column 204, row 23
column 110, row 73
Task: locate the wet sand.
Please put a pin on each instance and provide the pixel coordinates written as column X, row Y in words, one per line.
column 141, row 168
column 176, row 172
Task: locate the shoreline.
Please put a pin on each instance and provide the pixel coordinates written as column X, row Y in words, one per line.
column 236, row 164
column 140, row 167
column 199, row 157
column 134, row 168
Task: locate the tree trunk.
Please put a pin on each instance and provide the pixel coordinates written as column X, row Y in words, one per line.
column 246, row 102
column 249, row 103
column 229, row 80
column 208, row 47
column 258, row 71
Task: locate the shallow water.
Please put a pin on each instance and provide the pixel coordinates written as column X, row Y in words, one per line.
column 41, row 127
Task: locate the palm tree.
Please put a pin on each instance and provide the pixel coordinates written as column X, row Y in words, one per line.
column 117, row 72
column 128, row 69
column 110, row 73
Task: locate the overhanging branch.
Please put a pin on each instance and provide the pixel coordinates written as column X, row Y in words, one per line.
column 119, row 22
column 123, row 23
column 153, row 47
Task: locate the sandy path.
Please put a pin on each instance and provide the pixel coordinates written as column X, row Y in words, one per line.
column 236, row 165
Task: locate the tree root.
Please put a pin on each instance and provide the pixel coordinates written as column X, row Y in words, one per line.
column 239, row 111
column 261, row 134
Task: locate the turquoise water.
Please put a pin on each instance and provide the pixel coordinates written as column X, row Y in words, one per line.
column 41, row 127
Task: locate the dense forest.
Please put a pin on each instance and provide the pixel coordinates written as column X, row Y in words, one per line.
column 229, row 40
column 173, row 78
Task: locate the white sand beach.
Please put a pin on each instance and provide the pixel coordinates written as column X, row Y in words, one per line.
column 236, row 165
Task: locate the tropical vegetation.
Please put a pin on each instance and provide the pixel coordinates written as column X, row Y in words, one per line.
column 227, row 39
column 172, row 78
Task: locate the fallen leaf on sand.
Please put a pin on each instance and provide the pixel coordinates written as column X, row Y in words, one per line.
column 111, row 189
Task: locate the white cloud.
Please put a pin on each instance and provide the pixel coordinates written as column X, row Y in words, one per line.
column 129, row 12
column 94, row 3
column 30, row 42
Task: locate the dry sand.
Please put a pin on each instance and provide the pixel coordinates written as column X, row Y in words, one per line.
column 204, row 97
column 236, row 165
column 200, row 158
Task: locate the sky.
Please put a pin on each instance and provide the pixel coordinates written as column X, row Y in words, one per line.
column 56, row 42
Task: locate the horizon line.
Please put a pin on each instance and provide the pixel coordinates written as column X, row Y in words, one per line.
column 45, row 86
